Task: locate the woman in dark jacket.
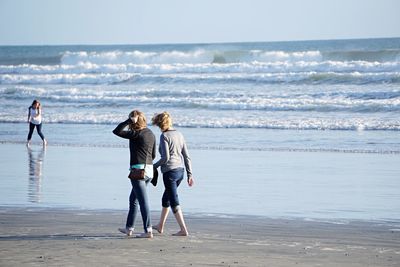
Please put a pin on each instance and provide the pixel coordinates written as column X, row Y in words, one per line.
column 142, row 146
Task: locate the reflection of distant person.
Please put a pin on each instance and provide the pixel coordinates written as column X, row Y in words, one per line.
column 35, row 174
column 174, row 157
column 35, row 120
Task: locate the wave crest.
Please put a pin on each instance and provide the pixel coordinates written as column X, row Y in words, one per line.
column 203, row 56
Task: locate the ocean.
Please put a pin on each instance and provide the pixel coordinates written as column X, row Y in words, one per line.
column 339, row 85
column 334, row 96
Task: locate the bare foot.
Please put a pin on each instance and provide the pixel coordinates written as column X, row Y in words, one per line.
column 160, row 230
column 181, row 233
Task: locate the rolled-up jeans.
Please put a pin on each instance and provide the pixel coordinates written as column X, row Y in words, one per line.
column 137, row 197
column 172, row 180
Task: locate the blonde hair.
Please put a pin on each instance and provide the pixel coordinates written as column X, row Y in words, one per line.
column 141, row 121
column 162, row 120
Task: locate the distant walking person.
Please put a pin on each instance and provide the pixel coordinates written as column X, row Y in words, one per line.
column 142, row 147
column 35, row 120
column 174, row 157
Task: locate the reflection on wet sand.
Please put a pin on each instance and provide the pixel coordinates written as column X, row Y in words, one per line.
column 36, row 158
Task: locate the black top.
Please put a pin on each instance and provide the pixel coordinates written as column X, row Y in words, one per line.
column 142, row 143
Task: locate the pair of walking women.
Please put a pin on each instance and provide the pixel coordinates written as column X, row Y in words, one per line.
column 174, row 158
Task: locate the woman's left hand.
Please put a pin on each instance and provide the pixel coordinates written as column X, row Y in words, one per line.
column 190, row 182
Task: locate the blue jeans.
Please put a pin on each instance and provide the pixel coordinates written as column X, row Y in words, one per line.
column 172, row 180
column 38, row 128
column 139, row 197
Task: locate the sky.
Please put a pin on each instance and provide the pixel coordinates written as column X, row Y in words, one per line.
column 57, row 22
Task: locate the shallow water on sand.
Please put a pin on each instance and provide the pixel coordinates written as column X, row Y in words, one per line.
column 315, row 185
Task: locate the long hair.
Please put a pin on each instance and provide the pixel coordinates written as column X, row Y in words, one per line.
column 162, row 120
column 34, row 103
column 141, row 121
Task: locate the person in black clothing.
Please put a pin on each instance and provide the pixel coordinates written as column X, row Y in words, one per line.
column 142, row 146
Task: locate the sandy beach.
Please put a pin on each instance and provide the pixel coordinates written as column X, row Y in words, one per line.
column 52, row 237
column 50, row 215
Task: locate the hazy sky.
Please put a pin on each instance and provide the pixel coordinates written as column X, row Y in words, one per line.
column 26, row 22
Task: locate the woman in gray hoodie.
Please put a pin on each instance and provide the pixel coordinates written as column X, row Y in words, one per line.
column 174, row 159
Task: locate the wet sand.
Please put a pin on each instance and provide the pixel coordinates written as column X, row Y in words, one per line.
column 54, row 237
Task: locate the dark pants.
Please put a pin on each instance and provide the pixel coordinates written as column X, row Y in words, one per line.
column 172, row 180
column 38, row 128
column 138, row 197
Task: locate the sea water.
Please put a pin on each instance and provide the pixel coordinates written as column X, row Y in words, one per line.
column 337, row 96
column 315, row 85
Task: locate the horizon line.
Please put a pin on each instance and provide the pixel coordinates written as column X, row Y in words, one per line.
column 200, row 43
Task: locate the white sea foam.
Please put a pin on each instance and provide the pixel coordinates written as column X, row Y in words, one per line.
column 100, row 71
column 99, row 116
column 197, row 56
column 137, row 57
column 100, row 78
column 338, row 101
column 191, row 78
column 281, row 56
column 246, row 67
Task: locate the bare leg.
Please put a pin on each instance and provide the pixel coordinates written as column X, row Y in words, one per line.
column 179, row 218
column 160, row 226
